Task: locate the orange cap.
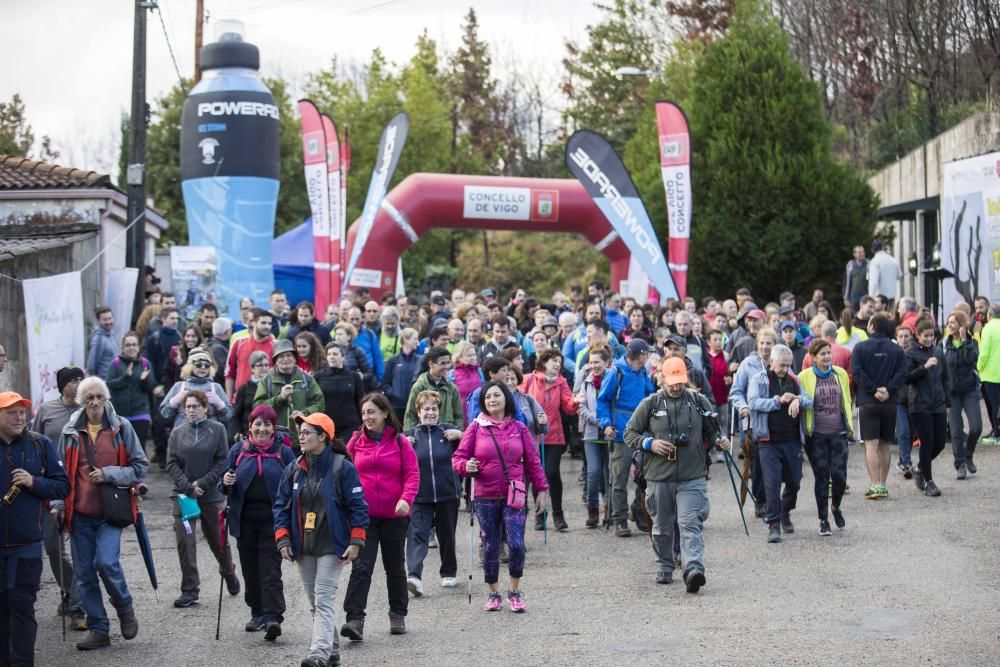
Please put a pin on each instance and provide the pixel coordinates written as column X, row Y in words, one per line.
column 319, row 420
column 9, row 399
column 674, row 371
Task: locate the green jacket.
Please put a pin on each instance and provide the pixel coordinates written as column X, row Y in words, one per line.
column 988, row 364
column 807, row 379
column 306, row 396
column 451, row 402
column 665, row 418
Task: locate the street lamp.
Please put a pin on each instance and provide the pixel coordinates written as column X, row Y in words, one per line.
column 912, row 264
column 630, row 70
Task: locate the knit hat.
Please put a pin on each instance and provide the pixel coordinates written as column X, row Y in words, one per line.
column 198, row 354
column 66, row 375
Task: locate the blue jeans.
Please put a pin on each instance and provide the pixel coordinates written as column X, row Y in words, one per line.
column 903, row 437
column 684, row 505
column 597, row 471
column 96, row 550
column 781, row 463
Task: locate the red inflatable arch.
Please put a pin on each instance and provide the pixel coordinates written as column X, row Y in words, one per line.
column 422, row 202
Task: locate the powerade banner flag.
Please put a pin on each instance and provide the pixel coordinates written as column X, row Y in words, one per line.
column 597, row 166
column 229, row 169
column 675, row 162
column 314, row 149
column 333, row 201
column 389, row 150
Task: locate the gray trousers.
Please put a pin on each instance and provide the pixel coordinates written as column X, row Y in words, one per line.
column 55, row 549
column 320, row 577
column 687, row 504
column 187, row 544
column 620, row 464
column 963, row 445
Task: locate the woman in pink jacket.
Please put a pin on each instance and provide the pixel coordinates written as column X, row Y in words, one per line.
column 390, row 478
column 492, row 435
column 547, row 386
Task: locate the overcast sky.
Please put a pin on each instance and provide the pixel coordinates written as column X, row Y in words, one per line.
column 71, row 60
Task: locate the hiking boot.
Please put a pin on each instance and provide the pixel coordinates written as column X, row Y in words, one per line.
column 77, row 621
column 694, row 580
column 186, row 600
column 665, row 577
column 539, row 522
column 905, row 469
column 272, row 631
column 838, row 518
column 971, row 467
column 963, row 471
column 560, row 523
column 824, row 528
column 255, row 624
column 593, row 518
column 128, row 623
column 232, row 584
column 930, row 489
column 313, row 661
column 786, row 524
column 622, row 529
column 414, row 585
column 354, row 630
column 918, row 479
column 516, row 602
column 448, row 582
column 494, row 602
column 397, row 624
column 774, row 532
column 94, row 640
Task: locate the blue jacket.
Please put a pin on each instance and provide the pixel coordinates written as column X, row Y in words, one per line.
column 761, row 402
column 472, row 408
column 575, row 342
column 616, row 321
column 103, row 350
column 367, row 341
column 273, row 465
column 347, row 524
column 438, row 482
column 614, row 407
column 401, row 372
column 746, row 370
column 878, row 362
column 21, row 521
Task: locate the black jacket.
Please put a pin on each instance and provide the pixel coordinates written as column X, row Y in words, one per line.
column 438, row 482
column 401, row 372
column 878, row 362
column 242, row 407
column 315, row 327
column 928, row 387
column 342, row 392
column 961, row 363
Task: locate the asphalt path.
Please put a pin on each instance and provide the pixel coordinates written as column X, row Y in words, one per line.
column 912, row 580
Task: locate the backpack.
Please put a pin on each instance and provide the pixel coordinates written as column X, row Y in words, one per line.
column 36, row 441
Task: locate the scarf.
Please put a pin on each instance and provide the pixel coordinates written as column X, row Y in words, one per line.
column 820, row 374
column 258, row 450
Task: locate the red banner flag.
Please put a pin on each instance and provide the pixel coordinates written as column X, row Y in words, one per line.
column 675, row 162
column 336, row 235
column 314, row 150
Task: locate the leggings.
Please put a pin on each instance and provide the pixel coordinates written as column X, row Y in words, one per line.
column 930, row 428
column 493, row 514
column 552, row 456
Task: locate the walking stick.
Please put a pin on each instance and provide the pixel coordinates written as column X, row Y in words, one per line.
column 545, row 513
column 472, row 527
column 63, row 595
column 732, row 480
column 223, row 528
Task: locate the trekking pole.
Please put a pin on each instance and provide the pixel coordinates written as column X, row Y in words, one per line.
column 223, row 527
column 545, row 513
column 732, row 480
column 472, row 526
column 63, row 595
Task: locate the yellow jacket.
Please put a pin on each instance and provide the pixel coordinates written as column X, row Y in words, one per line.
column 808, row 380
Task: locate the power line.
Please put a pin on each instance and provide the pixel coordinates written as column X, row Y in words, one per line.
column 284, row 3
column 170, row 49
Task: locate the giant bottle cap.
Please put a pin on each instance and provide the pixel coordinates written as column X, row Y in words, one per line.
column 229, row 49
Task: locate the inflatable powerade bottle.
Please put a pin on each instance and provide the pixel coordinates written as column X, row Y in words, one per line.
column 230, row 168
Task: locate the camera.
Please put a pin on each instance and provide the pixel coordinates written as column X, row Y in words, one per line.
column 681, row 440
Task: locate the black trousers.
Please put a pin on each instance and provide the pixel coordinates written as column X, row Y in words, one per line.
column 425, row 518
column 828, row 458
column 390, row 534
column 930, row 428
column 553, row 455
column 260, row 562
column 18, row 590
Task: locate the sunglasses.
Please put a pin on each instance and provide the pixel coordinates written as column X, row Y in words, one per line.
column 202, row 364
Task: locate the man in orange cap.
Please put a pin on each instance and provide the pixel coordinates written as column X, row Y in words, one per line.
column 679, row 420
column 31, row 474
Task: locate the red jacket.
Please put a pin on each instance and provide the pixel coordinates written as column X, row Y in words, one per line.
column 519, row 454
column 553, row 398
column 720, row 369
column 467, row 378
column 388, row 469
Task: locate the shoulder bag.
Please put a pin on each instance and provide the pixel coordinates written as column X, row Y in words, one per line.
column 517, row 490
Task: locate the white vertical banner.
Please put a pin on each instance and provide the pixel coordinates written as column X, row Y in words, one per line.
column 119, row 295
column 53, row 314
column 638, row 282
column 400, row 287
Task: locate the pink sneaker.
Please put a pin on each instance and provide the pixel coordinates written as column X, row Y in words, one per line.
column 516, row 602
column 494, row 602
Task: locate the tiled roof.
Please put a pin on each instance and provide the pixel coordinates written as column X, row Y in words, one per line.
column 19, row 173
column 25, row 245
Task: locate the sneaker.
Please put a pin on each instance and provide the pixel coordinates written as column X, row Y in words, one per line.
column 872, row 493
column 448, row 582
column 255, row 624
column 494, row 602
column 186, row 600
column 313, row 661
column 838, row 518
column 665, row 577
column 883, row 491
column 963, row 471
column 918, row 479
column 94, row 640
column 905, row 470
column 694, row 580
column 988, row 440
column 930, row 489
column 414, row 585
column 622, row 529
column 397, row 624
column 786, row 524
column 516, row 602
column 824, row 528
column 971, row 467
column 432, row 543
column 354, row 630
column 774, row 534
column 272, row 631
column 232, row 584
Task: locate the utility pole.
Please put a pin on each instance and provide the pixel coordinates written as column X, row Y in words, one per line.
column 199, row 22
column 135, row 249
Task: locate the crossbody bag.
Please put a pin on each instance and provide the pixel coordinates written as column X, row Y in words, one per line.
column 517, row 490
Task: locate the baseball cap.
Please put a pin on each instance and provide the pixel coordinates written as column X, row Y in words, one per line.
column 787, row 325
column 550, row 321
column 9, row 399
column 488, row 293
column 637, row 346
column 786, row 296
column 677, row 339
column 438, row 300
column 757, row 314
column 786, row 310
column 66, row 375
column 674, row 371
column 319, row 420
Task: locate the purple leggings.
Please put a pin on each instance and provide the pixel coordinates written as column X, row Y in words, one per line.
column 491, row 513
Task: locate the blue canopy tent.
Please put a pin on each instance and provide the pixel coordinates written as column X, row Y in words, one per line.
column 293, row 263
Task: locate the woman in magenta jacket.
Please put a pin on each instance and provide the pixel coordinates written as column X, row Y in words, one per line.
column 493, row 432
column 390, row 478
column 547, row 386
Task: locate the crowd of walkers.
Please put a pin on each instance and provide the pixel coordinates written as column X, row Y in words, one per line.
column 327, row 441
